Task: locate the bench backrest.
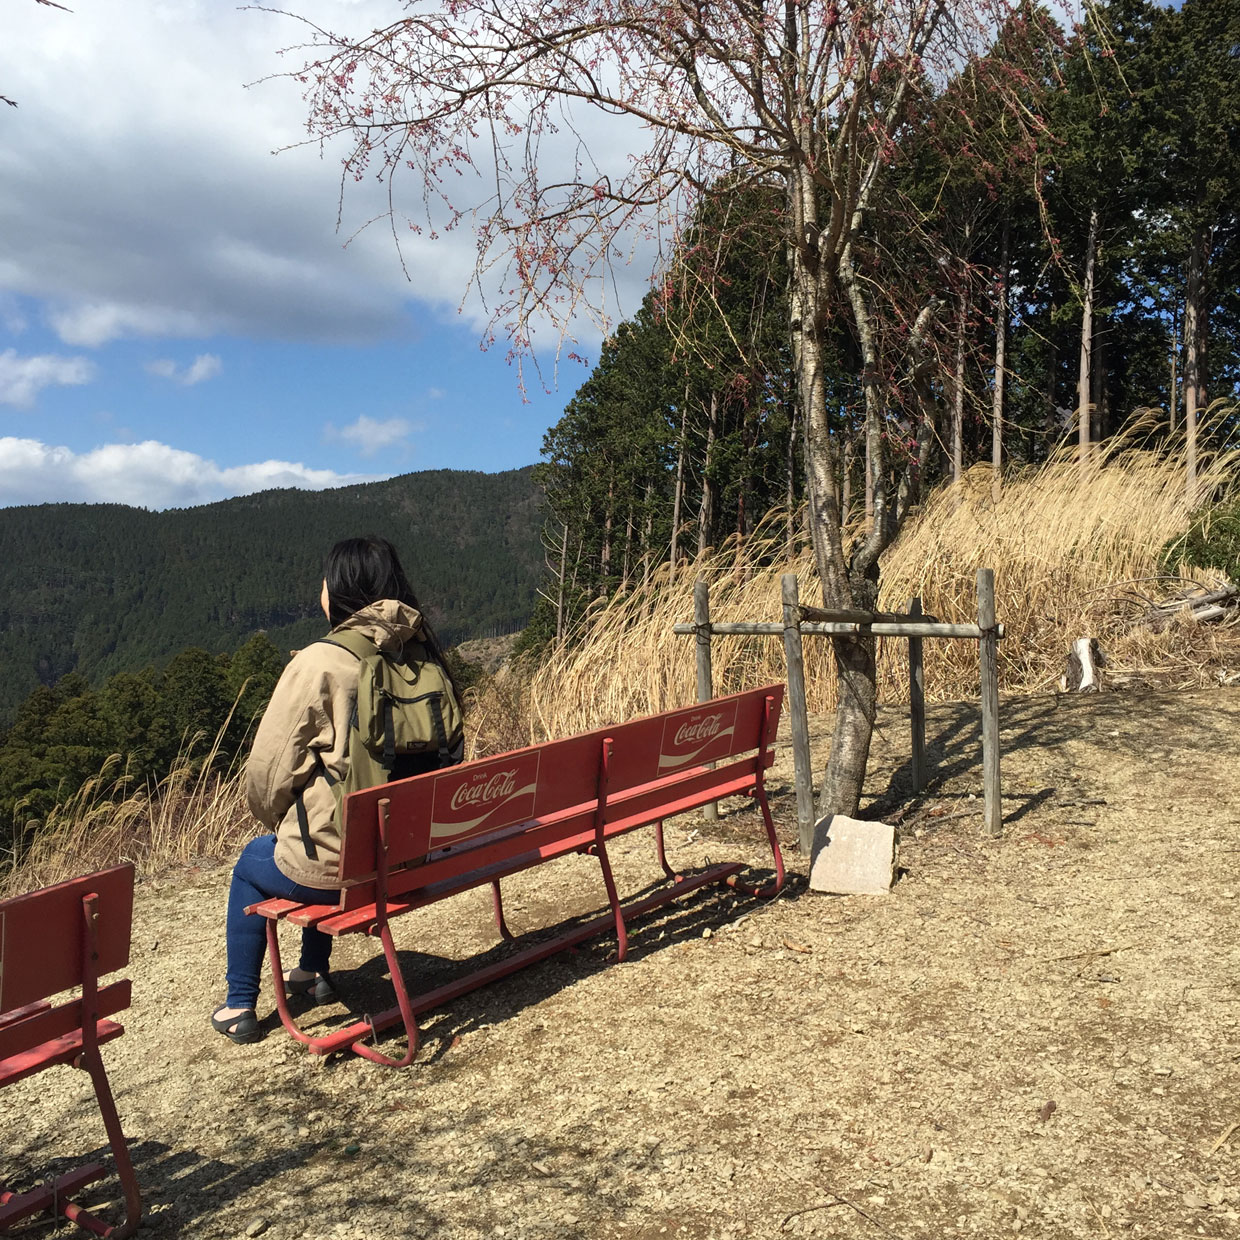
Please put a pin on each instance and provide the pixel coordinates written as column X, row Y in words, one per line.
column 43, row 938
column 443, row 823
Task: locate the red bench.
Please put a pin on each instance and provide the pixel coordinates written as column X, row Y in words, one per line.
column 411, row 843
column 54, row 940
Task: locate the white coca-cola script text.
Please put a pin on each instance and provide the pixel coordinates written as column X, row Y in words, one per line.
column 702, row 730
column 501, row 785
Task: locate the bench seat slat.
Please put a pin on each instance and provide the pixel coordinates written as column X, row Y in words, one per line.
column 276, row 909
column 23, row 1013
column 46, row 1022
column 56, row 1051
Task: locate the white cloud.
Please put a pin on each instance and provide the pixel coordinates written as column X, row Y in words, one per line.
column 91, row 324
column 139, row 196
column 147, row 475
column 204, row 366
column 22, row 378
column 370, row 436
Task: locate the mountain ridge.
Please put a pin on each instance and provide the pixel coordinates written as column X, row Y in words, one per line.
column 104, row 588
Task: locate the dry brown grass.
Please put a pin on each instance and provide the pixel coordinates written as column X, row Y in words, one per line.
column 1064, row 556
column 194, row 812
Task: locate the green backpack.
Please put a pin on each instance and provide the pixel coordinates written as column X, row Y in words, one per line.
column 406, row 719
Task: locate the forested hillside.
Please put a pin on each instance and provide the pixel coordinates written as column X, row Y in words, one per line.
column 99, row 589
column 1017, row 290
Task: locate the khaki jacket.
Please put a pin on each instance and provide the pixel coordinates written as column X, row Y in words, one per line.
column 304, row 732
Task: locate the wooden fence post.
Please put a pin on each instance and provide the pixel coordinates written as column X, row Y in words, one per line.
column 798, row 713
column 989, row 662
column 705, row 678
column 917, row 702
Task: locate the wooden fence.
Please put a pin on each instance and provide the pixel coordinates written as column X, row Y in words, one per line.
column 800, row 621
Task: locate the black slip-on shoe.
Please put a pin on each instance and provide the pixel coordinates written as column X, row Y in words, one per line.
column 240, row 1028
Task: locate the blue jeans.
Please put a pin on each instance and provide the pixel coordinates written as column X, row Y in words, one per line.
column 256, row 878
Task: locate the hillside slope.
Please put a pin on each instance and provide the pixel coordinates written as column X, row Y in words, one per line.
column 104, row 588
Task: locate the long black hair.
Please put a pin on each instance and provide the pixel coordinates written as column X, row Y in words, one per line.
column 361, row 571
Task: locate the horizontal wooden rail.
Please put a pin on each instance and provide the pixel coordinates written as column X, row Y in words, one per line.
column 849, row 615
column 880, row 628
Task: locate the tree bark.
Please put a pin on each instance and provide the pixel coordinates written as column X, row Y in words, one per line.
column 1053, row 426
column 1173, row 401
column 790, row 487
column 1001, row 325
column 648, row 535
column 957, row 441
column 678, row 494
column 561, row 587
column 1098, row 388
column 608, row 519
column 846, row 481
column 706, row 509
column 1194, row 353
column 1087, row 341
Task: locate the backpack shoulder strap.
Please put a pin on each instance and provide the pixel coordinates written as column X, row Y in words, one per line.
column 357, row 644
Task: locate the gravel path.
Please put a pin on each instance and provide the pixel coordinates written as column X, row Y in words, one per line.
column 1034, row 1035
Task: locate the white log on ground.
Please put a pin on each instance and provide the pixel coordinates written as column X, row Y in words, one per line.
column 1085, row 658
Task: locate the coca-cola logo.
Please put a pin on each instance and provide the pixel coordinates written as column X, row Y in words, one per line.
column 703, row 729
column 499, row 787
column 469, row 802
column 697, row 736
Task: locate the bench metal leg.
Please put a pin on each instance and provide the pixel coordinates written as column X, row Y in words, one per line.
column 91, row 1062
column 772, row 888
column 498, row 901
column 351, row 1037
column 622, row 934
column 46, row 1197
column 667, row 869
column 384, row 933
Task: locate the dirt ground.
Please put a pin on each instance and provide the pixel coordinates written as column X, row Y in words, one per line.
column 1036, row 1034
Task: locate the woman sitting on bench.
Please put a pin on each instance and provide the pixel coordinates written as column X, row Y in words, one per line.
column 300, row 752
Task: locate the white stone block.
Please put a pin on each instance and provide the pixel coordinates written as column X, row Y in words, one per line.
column 852, row 857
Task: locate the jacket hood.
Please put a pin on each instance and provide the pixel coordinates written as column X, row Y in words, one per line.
column 387, row 622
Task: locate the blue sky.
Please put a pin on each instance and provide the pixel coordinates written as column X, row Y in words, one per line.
column 180, row 319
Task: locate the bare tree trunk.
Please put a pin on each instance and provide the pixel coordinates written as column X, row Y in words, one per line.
column 869, row 487
column 706, row 510
column 1001, row 325
column 1052, row 374
column 855, row 657
column 648, row 535
column 921, row 359
column 678, row 494
column 1173, row 403
column 790, row 488
column 748, row 435
column 1098, row 388
column 1194, row 353
column 605, row 556
column 846, row 482
column 627, row 561
column 957, row 444
column 563, row 584
column 1087, row 341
